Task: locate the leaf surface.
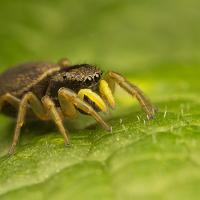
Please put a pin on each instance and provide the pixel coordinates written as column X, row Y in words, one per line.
column 140, row 159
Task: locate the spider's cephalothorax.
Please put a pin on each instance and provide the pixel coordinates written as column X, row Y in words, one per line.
column 50, row 91
column 75, row 78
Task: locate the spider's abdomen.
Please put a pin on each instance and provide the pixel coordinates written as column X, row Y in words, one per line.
column 29, row 77
column 23, row 78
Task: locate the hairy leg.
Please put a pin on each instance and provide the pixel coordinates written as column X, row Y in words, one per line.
column 134, row 91
column 68, row 109
column 9, row 98
column 38, row 109
column 55, row 116
column 64, row 62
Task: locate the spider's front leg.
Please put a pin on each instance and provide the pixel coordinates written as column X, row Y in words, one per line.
column 73, row 100
column 113, row 77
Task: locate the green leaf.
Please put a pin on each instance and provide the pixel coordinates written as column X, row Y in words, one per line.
column 155, row 44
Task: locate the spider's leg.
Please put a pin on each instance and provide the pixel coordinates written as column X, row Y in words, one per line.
column 134, row 91
column 36, row 106
column 55, row 116
column 64, row 62
column 72, row 97
column 111, row 82
column 68, row 109
column 9, row 98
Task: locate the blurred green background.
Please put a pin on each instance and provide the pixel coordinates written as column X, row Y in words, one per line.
column 129, row 34
column 156, row 45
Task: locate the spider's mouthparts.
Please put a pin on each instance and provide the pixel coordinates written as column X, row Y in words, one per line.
column 107, row 93
column 95, row 98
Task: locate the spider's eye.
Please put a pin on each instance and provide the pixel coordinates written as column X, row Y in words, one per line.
column 88, row 80
column 96, row 77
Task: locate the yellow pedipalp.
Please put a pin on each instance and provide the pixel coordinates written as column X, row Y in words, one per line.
column 106, row 92
column 94, row 98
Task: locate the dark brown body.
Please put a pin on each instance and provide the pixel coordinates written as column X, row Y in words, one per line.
column 27, row 77
column 24, row 78
column 43, row 78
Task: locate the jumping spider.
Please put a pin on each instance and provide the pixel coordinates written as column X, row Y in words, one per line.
column 50, row 91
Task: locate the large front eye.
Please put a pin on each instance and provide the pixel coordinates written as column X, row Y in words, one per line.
column 88, row 80
column 96, row 77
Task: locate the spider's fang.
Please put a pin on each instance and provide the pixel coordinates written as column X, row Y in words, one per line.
column 94, row 98
column 106, row 92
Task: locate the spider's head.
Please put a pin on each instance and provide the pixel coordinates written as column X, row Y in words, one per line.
column 83, row 76
column 76, row 78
